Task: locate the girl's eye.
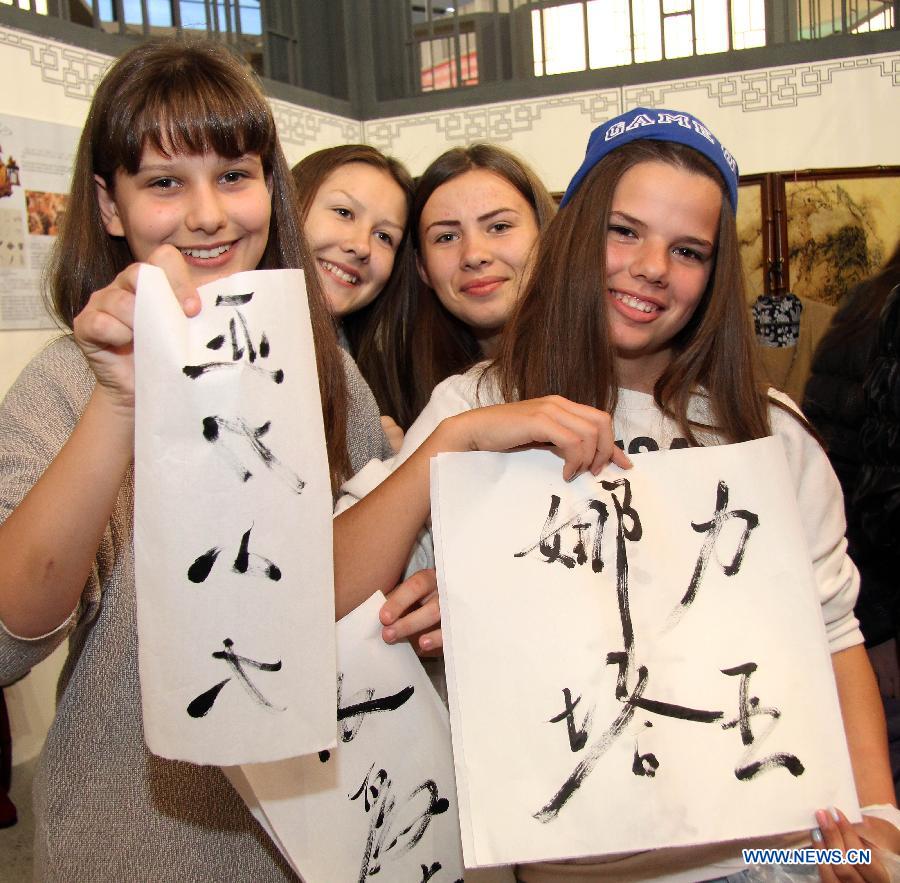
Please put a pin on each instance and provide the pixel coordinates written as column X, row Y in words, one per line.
column 163, row 183
column 343, row 212
column 445, row 237
column 233, row 177
column 386, row 238
column 501, row 227
column 690, row 254
column 619, row 230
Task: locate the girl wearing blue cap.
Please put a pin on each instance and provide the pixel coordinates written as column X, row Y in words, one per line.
column 652, row 330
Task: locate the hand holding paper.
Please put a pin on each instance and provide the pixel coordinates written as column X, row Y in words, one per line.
column 581, row 435
column 104, row 329
column 838, row 833
column 413, row 611
column 382, row 527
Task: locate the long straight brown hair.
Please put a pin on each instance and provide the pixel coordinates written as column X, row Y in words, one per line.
column 377, row 332
column 558, row 340
column 439, row 344
column 186, row 98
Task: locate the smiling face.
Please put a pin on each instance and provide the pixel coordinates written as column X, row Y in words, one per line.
column 477, row 233
column 354, row 227
column 660, row 249
column 214, row 210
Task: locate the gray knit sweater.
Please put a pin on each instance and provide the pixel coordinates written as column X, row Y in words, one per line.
column 107, row 809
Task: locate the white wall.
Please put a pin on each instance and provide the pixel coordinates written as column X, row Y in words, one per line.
column 818, row 115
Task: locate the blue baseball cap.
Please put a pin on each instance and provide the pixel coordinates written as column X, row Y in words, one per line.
column 656, row 124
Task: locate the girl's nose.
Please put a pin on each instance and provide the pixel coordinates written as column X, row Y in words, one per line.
column 475, row 253
column 357, row 243
column 206, row 213
column 650, row 262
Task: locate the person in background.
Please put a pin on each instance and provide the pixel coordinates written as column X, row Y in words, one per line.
column 8, row 813
column 853, row 400
column 354, row 204
column 476, row 216
column 836, row 404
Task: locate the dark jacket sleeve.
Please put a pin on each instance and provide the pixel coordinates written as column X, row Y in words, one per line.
column 873, row 507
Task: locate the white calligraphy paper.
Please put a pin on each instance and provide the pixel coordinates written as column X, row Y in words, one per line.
column 383, row 802
column 634, row 661
column 233, row 556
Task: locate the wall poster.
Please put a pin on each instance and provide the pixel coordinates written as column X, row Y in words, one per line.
column 35, row 169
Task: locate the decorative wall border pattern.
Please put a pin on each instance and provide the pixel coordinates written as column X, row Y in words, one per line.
column 493, row 122
column 76, row 71
column 764, row 89
column 301, row 126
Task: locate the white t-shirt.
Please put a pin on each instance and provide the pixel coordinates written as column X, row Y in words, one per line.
column 640, row 427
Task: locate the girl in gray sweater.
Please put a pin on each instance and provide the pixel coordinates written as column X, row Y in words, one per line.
column 179, row 166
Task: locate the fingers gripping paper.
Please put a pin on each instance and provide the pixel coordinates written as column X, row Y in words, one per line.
column 634, row 661
column 233, row 559
column 383, row 802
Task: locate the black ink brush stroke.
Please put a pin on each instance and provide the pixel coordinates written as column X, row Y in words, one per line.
column 384, row 703
column 552, row 808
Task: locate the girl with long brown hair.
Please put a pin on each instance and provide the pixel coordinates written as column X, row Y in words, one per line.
column 476, row 218
column 636, row 307
column 179, row 165
column 354, row 204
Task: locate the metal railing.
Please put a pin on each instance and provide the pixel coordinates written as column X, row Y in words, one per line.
column 460, row 43
column 236, row 22
column 384, row 53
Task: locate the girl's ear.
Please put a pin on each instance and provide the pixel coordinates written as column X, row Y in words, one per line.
column 109, row 212
column 423, row 273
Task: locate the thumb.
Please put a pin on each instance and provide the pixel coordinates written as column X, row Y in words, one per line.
column 171, row 261
column 620, row 458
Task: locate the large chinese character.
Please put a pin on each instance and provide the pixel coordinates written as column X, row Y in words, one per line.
column 243, row 351
column 245, row 562
column 712, row 529
column 749, row 707
column 252, row 435
column 200, row 706
column 395, row 829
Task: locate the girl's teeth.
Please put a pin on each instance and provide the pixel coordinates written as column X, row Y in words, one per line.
column 341, row 274
column 205, row 253
column 636, row 303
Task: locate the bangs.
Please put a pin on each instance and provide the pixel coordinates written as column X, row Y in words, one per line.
column 195, row 107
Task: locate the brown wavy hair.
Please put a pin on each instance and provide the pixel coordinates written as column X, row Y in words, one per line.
column 376, row 333
column 189, row 98
column 439, row 344
column 558, row 339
